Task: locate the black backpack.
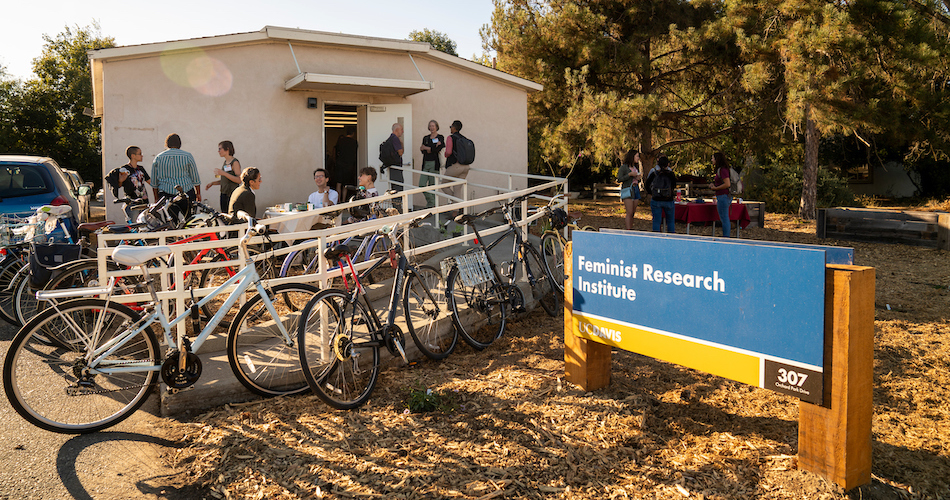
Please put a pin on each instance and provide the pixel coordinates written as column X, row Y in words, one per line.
column 388, row 154
column 661, row 186
column 463, row 148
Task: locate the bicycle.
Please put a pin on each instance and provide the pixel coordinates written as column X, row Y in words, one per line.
column 85, row 272
column 87, row 363
column 479, row 292
column 553, row 240
column 339, row 341
column 305, row 261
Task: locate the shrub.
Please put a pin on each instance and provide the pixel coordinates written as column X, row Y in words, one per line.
column 779, row 185
column 422, row 400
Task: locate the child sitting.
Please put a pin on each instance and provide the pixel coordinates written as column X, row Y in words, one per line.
column 367, row 189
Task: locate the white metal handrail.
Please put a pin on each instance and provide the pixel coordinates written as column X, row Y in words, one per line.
column 304, row 239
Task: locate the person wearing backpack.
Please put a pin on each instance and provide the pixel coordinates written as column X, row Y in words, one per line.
column 391, row 155
column 457, row 164
column 720, row 185
column 660, row 185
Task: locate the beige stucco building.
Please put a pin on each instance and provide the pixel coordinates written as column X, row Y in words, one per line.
column 283, row 96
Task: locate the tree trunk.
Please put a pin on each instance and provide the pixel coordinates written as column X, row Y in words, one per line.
column 808, row 207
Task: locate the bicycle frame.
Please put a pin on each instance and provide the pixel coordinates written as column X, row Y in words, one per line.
column 243, row 279
column 516, row 250
column 402, row 268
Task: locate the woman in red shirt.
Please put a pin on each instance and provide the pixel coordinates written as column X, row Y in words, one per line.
column 721, row 185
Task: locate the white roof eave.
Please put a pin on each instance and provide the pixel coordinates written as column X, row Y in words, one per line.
column 358, row 84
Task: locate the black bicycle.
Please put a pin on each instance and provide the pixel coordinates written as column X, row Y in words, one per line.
column 480, row 292
column 340, row 339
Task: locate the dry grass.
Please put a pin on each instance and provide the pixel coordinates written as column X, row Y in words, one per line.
column 515, row 429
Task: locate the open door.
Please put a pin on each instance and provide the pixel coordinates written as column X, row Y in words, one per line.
column 379, row 122
column 340, row 132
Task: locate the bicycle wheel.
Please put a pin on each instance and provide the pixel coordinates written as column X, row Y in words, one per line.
column 542, row 286
column 8, row 273
column 338, row 349
column 427, row 313
column 55, row 388
column 25, row 305
column 478, row 311
column 212, row 278
column 377, row 247
column 298, row 262
column 553, row 252
column 261, row 357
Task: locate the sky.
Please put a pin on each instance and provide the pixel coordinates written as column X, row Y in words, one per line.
column 133, row 22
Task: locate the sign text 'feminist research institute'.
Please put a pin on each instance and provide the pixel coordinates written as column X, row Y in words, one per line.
column 748, row 311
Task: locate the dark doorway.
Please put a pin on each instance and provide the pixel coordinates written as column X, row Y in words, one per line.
column 342, row 148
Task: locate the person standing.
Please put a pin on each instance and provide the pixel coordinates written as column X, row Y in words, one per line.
column 229, row 173
column 346, row 152
column 660, row 185
column 323, row 196
column 132, row 178
column 720, row 185
column 174, row 167
column 452, row 167
column 629, row 175
column 243, row 197
column 432, row 144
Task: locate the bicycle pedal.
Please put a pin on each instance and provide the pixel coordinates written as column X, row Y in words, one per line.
column 519, row 309
column 171, row 391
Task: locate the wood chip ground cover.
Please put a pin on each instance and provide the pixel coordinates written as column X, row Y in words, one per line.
column 515, row 429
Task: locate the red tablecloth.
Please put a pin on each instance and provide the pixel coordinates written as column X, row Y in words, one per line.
column 706, row 212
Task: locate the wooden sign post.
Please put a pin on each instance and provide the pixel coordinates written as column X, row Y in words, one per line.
column 586, row 363
column 834, row 438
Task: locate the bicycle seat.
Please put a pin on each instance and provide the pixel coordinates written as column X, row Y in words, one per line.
column 337, row 252
column 91, row 227
column 131, row 256
column 118, row 229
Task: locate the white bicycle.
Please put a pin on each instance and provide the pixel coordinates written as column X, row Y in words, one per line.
column 86, row 363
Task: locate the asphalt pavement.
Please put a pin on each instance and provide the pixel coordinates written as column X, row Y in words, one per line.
column 122, row 462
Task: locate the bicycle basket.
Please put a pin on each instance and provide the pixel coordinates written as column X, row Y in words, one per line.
column 44, row 257
column 19, row 228
column 558, row 218
column 473, row 267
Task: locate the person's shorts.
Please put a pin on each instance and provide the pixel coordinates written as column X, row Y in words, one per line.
column 632, row 192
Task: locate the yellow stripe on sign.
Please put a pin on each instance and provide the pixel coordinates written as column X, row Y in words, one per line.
column 715, row 360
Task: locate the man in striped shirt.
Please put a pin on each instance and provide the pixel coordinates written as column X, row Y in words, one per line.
column 174, row 167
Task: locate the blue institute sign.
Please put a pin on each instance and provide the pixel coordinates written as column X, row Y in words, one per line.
column 746, row 311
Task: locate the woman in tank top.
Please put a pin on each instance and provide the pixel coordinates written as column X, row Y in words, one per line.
column 229, row 175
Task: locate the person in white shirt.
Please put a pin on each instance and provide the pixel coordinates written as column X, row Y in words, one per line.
column 323, row 196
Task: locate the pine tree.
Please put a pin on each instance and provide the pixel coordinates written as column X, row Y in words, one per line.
column 621, row 74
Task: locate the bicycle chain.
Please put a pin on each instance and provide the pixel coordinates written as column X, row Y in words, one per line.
column 77, row 390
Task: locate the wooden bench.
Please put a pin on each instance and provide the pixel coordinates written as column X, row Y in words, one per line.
column 929, row 229
column 756, row 212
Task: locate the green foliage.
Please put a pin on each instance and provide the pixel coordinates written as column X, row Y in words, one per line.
column 438, row 40
column 422, row 400
column 653, row 75
column 44, row 116
column 686, row 78
column 779, row 184
column 933, row 175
